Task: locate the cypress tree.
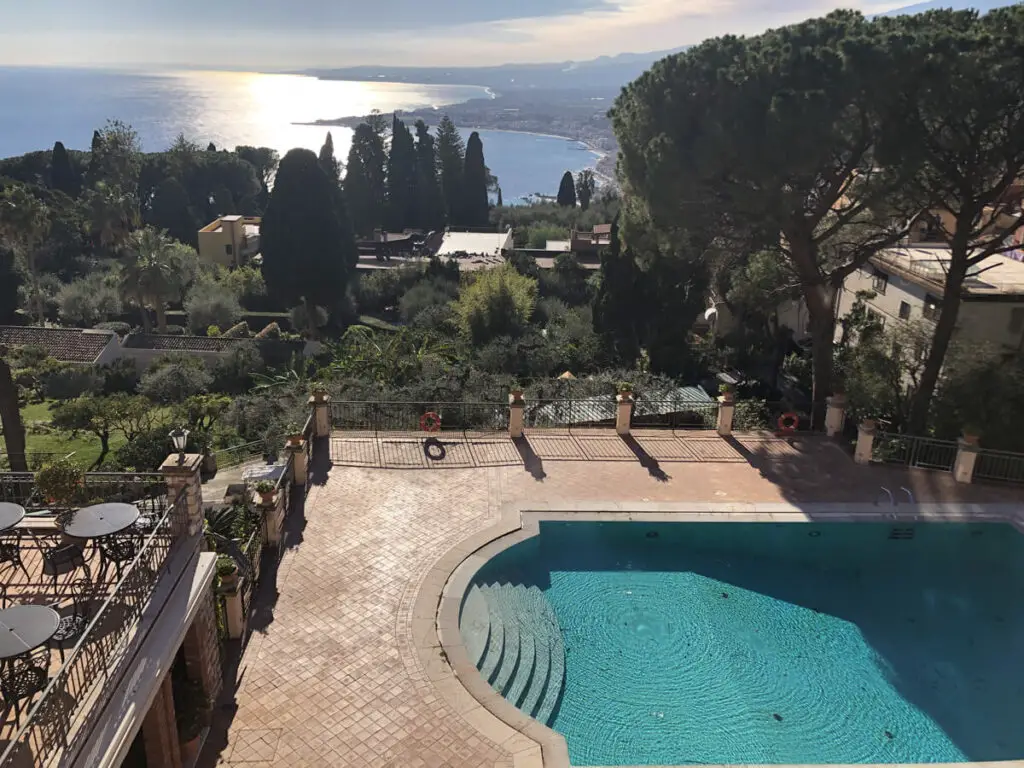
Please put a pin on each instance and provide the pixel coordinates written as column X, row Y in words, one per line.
column 365, row 179
column 211, row 147
column 430, row 203
column 172, row 210
column 567, row 191
column 475, row 181
column 62, row 176
column 451, row 154
column 328, row 163
column 500, row 203
column 401, row 205
column 95, row 155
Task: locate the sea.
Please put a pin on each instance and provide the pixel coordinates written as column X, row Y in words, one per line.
column 43, row 105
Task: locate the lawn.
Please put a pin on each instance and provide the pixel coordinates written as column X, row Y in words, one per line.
column 41, row 438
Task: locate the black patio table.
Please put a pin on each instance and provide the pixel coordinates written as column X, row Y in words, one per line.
column 24, row 627
column 100, row 520
column 10, row 515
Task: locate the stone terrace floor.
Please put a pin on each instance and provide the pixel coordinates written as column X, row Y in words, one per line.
column 330, row 676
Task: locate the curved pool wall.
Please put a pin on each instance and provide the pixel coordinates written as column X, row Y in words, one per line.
column 758, row 643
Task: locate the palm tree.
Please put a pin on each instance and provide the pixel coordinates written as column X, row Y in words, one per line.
column 112, row 214
column 24, row 224
column 151, row 273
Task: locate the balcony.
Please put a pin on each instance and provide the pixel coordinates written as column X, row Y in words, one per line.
column 110, row 607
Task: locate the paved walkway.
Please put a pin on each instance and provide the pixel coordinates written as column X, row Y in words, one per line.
column 330, row 676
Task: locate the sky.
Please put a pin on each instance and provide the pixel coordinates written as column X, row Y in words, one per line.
column 291, row 34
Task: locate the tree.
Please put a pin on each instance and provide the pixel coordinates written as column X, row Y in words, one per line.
column 309, row 252
column 567, row 191
column 451, row 153
column 154, row 271
column 477, row 208
column 772, row 139
column 365, row 179
column 401, row 175
column 176, row 378
column 429, row 206
column 10, row 417
column 500, row 203
column 103, row 416
column 499, row 302
column 328, row 162
column 116, row 157
column 112, row 214
column 208, row 303
column 618, row 305
column 24, row 225
column 265, row 160
column 10, row 282
column 62, row 176
column 211, row 147
column 89, row 300
column 171, row 210
column 961, row 118
column 585, row 186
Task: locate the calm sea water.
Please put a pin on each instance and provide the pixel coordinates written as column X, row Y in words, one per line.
column 231, row 108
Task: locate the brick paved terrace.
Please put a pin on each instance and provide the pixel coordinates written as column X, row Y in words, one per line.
column 330, row 675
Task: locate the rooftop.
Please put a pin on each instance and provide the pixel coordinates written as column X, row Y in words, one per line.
column 475, row 243
column 1000, row 275
column 68, row 345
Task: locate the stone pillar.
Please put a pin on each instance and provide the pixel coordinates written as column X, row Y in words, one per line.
column 273, row 520
column 321, row 405
column 201, row 648
column 182, row 474
column 963, row 464
column 835, row 414
column 865, row 442
column 234, row 613
column 160, row 731
column 300, row 470
column 623, row 412
column 516, row 407
column 726, row 411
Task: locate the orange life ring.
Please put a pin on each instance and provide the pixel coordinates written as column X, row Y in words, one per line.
column 430, row 422
column 788, row 422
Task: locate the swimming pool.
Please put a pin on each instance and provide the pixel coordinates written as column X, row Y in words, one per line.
column 737, row 643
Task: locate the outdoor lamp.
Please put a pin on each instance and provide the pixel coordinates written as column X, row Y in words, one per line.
column 179, row 438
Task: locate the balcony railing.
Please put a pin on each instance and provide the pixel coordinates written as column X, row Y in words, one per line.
column 999, row 466
column 68, row 708
column 911, row 451
column 127, row 487
column 408, row 416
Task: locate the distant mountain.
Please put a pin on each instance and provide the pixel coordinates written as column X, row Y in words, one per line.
column 956, row 5
column 605, row 74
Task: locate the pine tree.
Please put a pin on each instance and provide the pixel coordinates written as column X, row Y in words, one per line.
column 62, row 176
column 477, row 207
column 567, row 191
column 401, row 205
column 451, row 153
column 328, row 163
column 430, row 203
column 586, row 183
column 365, row 179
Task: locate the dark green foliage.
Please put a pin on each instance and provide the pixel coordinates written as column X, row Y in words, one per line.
column 171, row 210
column 265, row 161
column 70, row 381
column 211, row 147
column 10, row 282
column 309, row 252
column 175, row 379
column 426, row 294
column 328, row 162
column 430, row 208
column 567, row 280
column 233, row 374
column 451, row 153
column 365, row 175
column 619, row 306
column 63, row 177
column 119, row 376
column 476, row 207
column 401, row 179
column 499, row 203
column 147, row 451
column 585, row 186
column 567, row 191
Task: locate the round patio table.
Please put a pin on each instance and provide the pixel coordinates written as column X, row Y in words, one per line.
column 24, row 627
column 101, row 520
column 10, row 515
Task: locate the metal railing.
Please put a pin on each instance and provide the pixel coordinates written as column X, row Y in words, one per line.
column 75, row 697
column 96, row 487
column 584, row 412
column 407, row 416
column 999, row 466
column 674, row 414
column 239, row 454
column 911, row 451
column 253, row 551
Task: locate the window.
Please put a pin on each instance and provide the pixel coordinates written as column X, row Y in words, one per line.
column 879, row 282
column 228, row 249
column 930, row 310
column 1017, row 320
column 904, row 311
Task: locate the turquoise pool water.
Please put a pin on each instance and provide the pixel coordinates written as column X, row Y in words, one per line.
column 763, row 643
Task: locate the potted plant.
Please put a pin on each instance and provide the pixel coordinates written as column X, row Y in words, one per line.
column 222, row 528
column 972, row 433
column 625, row 390
column 265, row 489
column 192, row 715
column 294, row 432
column 60, row 483
column 227, row 572
column 320, row 393
column 727, row 393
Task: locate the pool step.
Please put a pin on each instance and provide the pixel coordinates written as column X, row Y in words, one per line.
column 521, row 653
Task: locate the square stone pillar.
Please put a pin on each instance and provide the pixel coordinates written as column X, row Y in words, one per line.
column 726, row 411
column 182, row 474
column 160, row 730
column 865, row 442
column 234, row 613
column 516, row 407
column 201, row 648
column 835, row 415
column 273, row 520
column 320, row 402
column 300, row 470
column 623, row 412
column 963, row 464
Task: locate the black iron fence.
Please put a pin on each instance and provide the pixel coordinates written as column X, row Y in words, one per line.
column 94, row 488
column 584, row 412
column 999, row 466
column 414, row 416
column 911, row 451
column 674, row 414
column 74, row 698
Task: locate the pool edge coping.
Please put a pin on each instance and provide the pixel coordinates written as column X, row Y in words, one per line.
column 532, row 744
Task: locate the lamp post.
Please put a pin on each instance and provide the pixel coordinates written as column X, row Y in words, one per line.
column 179, row 438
